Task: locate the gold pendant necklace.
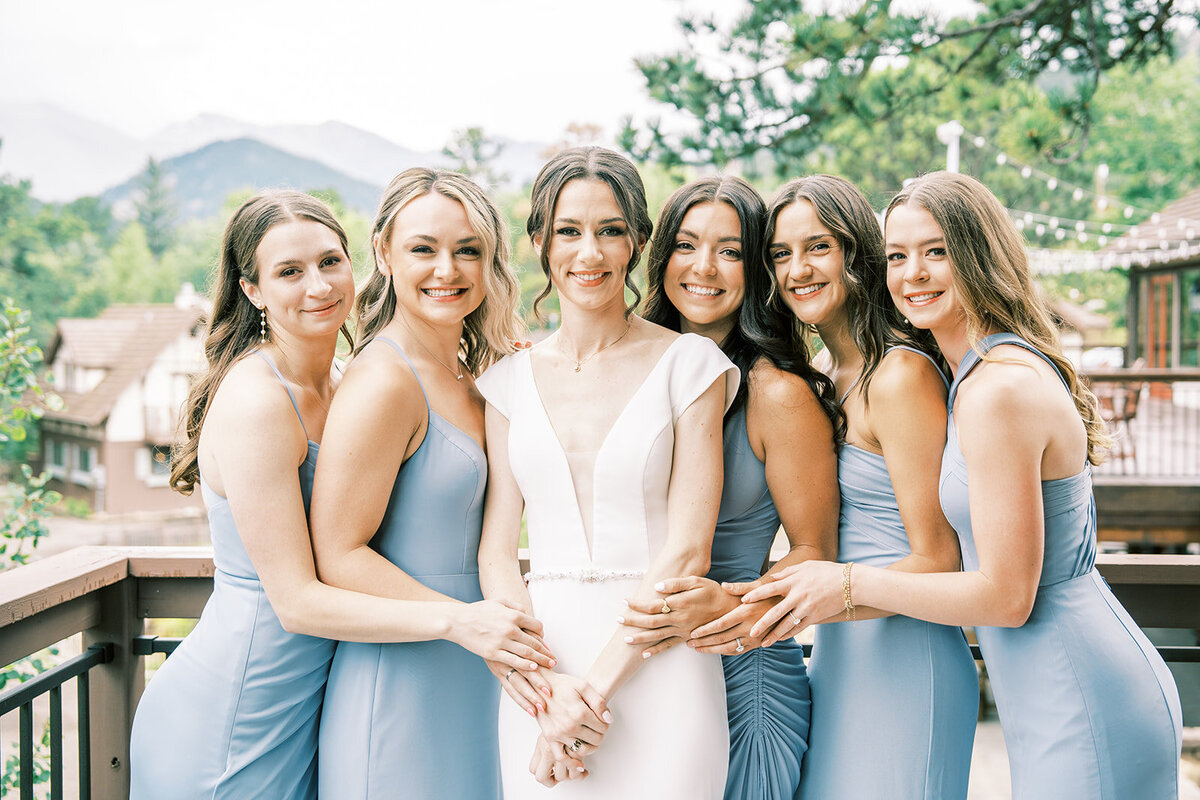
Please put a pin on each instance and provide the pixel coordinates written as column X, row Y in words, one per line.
column 581, row 361
column 457, row 373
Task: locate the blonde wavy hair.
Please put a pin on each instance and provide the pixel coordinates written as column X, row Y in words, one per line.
column 993, row 279
column 490, row 331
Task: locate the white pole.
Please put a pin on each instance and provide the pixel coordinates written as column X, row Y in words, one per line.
column 949, row 134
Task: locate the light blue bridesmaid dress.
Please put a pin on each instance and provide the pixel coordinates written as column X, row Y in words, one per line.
column 894, row 700
column 419, row 719
column 1088, row 708
column 766, row 688
column 233, row 713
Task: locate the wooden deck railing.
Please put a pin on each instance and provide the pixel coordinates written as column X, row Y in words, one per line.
column 107, row 593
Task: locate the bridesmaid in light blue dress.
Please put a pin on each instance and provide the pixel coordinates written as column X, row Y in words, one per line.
column 1088, row 707
column 706, row 275
column 419, row 719
column 894, row 699
column 234, row 712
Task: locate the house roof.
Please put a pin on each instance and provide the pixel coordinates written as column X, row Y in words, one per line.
column 124, row 340
column 1178, row 224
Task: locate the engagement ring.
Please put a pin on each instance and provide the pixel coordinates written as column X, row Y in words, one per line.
column 740, row 647
column 666, row 609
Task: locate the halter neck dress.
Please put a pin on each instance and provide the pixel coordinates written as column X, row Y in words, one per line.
column 766, row 689
column 894, row 700
column 418, row 719
column 1087, row 705
column 233, row 713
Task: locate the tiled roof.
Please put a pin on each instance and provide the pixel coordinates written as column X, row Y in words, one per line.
column 125, row 340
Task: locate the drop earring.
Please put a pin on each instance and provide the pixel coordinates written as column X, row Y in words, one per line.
column 262, row 325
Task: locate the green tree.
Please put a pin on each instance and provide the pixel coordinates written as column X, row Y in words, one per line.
column 472, row 153
column 786, row 76
column 156, row 209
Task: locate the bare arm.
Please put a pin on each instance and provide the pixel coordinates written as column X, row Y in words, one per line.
column 693, row 500
column 787, row 424
column 1004, row 422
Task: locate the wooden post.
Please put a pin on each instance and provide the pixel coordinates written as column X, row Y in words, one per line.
column 1133, row 320
column 115, row 688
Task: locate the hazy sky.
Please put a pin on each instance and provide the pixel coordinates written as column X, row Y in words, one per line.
column 410, row 71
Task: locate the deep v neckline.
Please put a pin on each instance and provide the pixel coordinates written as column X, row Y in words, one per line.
column 590, row 542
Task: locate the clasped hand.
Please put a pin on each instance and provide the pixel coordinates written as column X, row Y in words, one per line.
column 705, row 614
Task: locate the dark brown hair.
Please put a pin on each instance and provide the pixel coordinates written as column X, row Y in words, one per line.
column 589, row 163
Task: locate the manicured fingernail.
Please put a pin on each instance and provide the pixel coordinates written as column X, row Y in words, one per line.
column 532, row 666
column 545, row 690
column 553, row 661
column 645, row 654
column 531, row 712
column 628, row 640
column 607, row 717
column 621, row 620
column 658, row 587
column 579, row 769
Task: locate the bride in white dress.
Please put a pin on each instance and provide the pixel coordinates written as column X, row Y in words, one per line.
column 609, row 433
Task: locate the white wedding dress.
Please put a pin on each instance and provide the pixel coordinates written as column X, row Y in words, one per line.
column 669, row 737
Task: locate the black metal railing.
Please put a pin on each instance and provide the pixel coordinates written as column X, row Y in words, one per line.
column 51, row 682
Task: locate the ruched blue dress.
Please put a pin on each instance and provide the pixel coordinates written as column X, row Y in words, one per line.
column 418, row 719
column 233, row 713
column 766, row 689
column 1088, row 707
column 894, row 700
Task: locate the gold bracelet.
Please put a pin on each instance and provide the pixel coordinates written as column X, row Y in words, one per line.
column 846, row 590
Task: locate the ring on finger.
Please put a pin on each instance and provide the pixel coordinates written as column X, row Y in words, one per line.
column 740, row 647
column 575, row 745
column 666, row 609
column 795, row 621
column 508, row 675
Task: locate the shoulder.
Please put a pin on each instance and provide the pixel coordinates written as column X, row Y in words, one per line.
column 1007, row 388
column 774, row 386
column 252, row 400
column 496, row 382
column 903, row 373
column 380, row 369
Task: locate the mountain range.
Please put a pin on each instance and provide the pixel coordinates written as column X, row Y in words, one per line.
column 66, row 156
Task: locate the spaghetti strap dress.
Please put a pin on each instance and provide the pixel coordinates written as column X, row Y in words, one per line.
column 418, row 719
column 1088, row 707
column 233, row 713
column 894, row 700
column 766, row 689
column 668, row 739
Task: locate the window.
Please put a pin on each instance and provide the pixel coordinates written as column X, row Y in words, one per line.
column 58, row 454
column 86, row 456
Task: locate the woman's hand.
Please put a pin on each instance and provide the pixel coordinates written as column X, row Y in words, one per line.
column 730, row 635
column 528, row 689
column 809, row 593
column 550, row 765
column 496, row 632
column 576, row 715
column 692, row 601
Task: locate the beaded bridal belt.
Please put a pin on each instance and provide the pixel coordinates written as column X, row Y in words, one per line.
column 589, row 575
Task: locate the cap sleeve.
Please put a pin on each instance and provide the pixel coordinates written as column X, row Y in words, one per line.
column 698, row 362
column 496, row 383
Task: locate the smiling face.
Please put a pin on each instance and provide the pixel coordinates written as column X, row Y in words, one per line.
column 590, row 248
column 436, row 261
column 305, row 283
column 807, row 259
column 920, row 275
column 705, row 276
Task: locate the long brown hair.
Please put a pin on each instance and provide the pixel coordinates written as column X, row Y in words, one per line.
column 490, row 331
column 233, row 327
column 589, row 163
column 992, row 277
column 765, row 327
column 875, row 322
